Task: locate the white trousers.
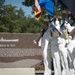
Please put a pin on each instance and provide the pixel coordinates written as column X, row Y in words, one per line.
column 64, row 55
column 46, row 59
column 56, row 63
column 64, row 61
column 55, row 56
column 71, row 51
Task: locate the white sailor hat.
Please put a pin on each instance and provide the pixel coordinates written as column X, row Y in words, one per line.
column 69, row 12
column 64, row 11
column 46, row 20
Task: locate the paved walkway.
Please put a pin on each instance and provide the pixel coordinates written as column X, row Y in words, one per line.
column 27, row 63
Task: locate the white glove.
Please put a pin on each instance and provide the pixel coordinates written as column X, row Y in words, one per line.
column 61, row 42
column 34, row 42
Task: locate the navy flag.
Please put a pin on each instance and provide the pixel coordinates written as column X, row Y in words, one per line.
column 48, row 5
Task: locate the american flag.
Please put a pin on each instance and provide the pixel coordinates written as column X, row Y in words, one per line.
column 37, row 10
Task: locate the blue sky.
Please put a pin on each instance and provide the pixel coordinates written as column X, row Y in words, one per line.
column 18, row 3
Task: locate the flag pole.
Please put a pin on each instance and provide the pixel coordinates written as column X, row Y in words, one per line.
column 66, row 28
column 56, row 13
column 50, row 36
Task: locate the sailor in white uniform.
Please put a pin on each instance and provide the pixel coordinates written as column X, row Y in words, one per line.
column 44, row 42
column 63, row 53
column 62, row 40
column 45, row 46
column 54, row 48
column 71, row 47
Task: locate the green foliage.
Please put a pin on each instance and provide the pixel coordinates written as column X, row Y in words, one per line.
column 3, row 28
column 28, row 2
column 14, row 21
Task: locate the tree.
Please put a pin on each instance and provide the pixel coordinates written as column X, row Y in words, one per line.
column 20, row 13
column 28, row 2
column 14, row 21
column 1, row 8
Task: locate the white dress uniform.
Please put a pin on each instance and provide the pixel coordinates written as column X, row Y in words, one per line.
column 45, row 46
column 63, row 55
column 71, row 49
column 55, row 55
column 55, row 51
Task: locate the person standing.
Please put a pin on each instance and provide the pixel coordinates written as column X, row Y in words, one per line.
column 45, row 46
column 54, row 47
column 71, row 47
column 62, row 40
column 63, row 55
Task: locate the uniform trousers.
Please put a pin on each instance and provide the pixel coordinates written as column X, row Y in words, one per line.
column 46, row 58
column 64, row 55
column 71, row 54
column 55, row 56
column 46, row 52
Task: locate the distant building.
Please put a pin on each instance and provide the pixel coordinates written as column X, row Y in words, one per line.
column 17, row 50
